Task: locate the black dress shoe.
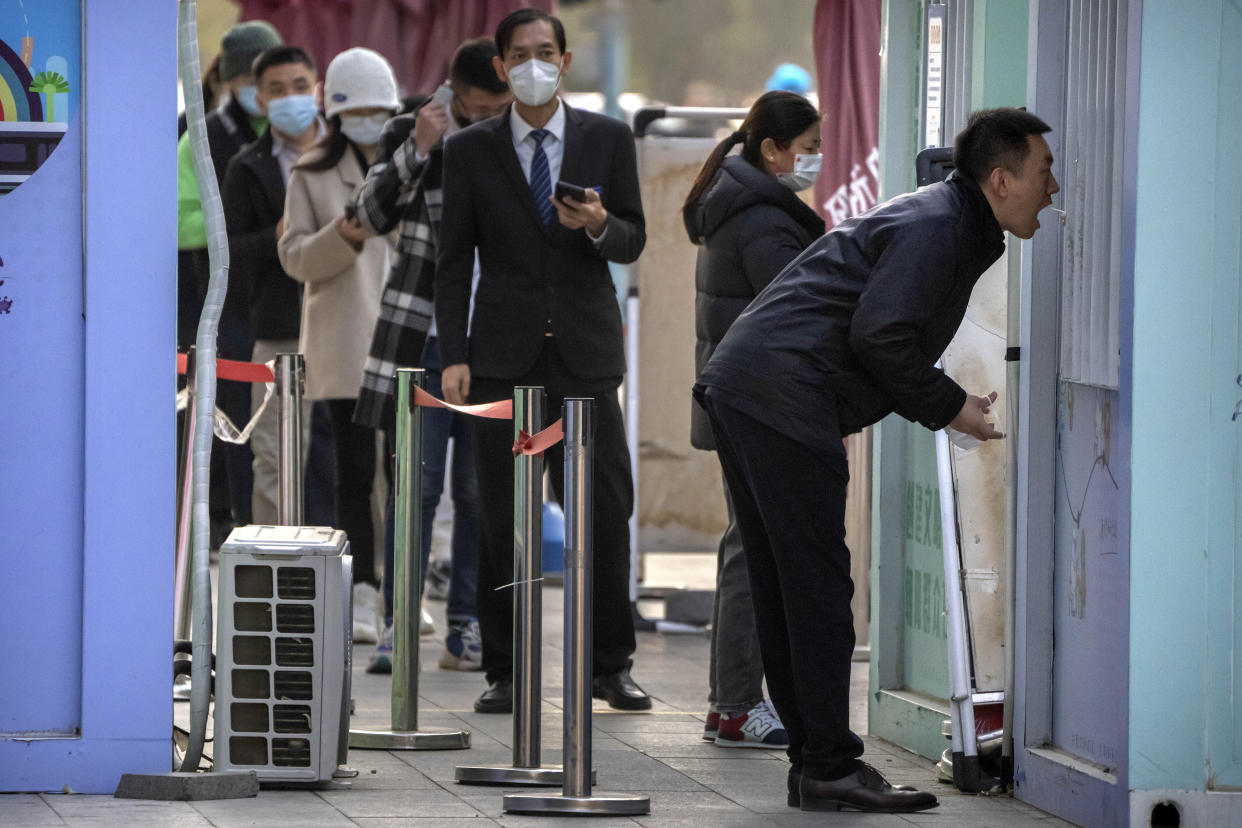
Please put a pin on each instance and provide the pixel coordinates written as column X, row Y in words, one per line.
column 793, row 797
column 497, row 698
column 620, row 691
column 863, row 790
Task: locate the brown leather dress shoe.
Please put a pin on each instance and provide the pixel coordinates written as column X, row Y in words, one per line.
column 863, row 790
column 620, row 691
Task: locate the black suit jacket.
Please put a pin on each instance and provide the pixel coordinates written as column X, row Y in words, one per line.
column 532, row 274
column 254, row 200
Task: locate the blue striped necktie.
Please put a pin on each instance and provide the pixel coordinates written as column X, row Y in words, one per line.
column 540, row 180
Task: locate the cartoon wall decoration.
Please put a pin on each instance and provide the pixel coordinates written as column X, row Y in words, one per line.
column 39, row 80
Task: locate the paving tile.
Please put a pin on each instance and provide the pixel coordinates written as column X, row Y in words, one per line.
column 761, row 799
column 797, row 819
column 659, row 753
column 27, row 809
column 79, row 808
column 273, row 808
column 424, row 822
column 405, row 804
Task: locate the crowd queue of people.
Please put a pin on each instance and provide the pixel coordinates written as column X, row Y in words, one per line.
column 370, row 233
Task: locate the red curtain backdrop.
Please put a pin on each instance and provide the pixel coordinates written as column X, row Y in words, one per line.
column 847, row 62
column 417, row 36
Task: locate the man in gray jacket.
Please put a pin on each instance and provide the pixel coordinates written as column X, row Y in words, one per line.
column 849, row 332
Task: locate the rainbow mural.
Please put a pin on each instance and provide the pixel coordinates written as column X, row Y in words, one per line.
column 39, row 76
column 17, row 102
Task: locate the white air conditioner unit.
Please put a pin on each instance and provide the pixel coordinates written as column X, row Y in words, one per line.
column 283, row 651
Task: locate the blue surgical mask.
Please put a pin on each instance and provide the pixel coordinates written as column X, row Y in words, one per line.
column 364, row 130
column 245, row 97
column 292, row 114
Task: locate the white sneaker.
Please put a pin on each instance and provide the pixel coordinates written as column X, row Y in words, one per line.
column 426, row 625
column 366, row 613
column 381, row 659
column 758, row 727
column 463, row 647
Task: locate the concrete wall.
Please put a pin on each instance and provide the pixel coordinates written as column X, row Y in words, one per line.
column 680, row 500
column 87, row 422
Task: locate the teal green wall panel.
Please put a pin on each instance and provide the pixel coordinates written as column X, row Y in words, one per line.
column 999, row 54
column 1183, row 618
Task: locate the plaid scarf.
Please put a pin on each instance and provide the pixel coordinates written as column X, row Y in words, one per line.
column 399, row 190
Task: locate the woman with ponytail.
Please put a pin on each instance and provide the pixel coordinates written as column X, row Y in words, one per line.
column 745, row 215
column 342, row 267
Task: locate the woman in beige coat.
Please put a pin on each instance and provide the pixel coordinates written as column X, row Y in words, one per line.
column 343, row 269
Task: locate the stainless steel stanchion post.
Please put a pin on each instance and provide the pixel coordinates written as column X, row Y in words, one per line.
column 528, row 404
column 407, row 610
column 182, row 579
column 576, row 796
column 290, row 379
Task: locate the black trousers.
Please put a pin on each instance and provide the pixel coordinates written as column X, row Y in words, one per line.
column 790, row 508
column 355, row 471
column 612, row 623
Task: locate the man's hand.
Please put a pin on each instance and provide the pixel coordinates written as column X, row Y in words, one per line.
column 455, row 382
column 429, row 127
column 973, row 418
column 280, row 228
column 575, row 214
column 352, row 231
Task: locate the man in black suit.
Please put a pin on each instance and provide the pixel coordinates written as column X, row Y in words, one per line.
column 545, row 314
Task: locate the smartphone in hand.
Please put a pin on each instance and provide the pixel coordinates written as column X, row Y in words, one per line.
column 564, row 189
column 443, row 96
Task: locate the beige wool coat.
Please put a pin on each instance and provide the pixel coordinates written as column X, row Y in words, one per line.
column 341, row 300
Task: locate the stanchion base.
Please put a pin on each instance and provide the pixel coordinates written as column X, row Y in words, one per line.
column 549, row 775
column 181, row 688
column 596, row 804
column 409, row 739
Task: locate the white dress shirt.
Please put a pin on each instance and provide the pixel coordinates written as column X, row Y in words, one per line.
column 553, row 148
column 553, row 144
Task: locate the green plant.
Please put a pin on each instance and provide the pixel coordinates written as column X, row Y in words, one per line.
column 49, row 83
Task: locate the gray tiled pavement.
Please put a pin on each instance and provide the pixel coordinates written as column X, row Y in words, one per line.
column 660, row 753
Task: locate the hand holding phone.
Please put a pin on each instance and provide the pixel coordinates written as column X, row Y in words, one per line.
column 433, row 121
column 565, row 189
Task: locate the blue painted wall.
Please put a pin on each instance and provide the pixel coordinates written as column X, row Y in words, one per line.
column 86, row 488
column 1184, row 612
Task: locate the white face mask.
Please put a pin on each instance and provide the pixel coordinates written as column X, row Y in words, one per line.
column 535, row 81
column 805, row 172
column 364, row 130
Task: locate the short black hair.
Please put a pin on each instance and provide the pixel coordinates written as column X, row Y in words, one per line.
column 504, row 32
column 472, row 66
column 278, row 56
column 995, row 138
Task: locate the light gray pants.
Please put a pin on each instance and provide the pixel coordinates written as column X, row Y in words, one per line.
column 735, row 672
column 265, row 439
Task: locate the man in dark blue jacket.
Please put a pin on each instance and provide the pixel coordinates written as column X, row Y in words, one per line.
column 849, row 332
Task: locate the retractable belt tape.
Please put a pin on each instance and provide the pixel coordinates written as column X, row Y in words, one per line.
column 528, row 444
column 228, row 369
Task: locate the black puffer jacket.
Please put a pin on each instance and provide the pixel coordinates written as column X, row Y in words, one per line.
column 749, row 226
column 852, row 329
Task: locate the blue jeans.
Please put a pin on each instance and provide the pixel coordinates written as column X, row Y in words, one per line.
column 439, row 425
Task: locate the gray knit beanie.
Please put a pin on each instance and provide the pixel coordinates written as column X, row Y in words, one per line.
column 242, row 44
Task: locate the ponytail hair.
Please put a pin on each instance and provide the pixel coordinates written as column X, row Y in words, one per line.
column 779, row 115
